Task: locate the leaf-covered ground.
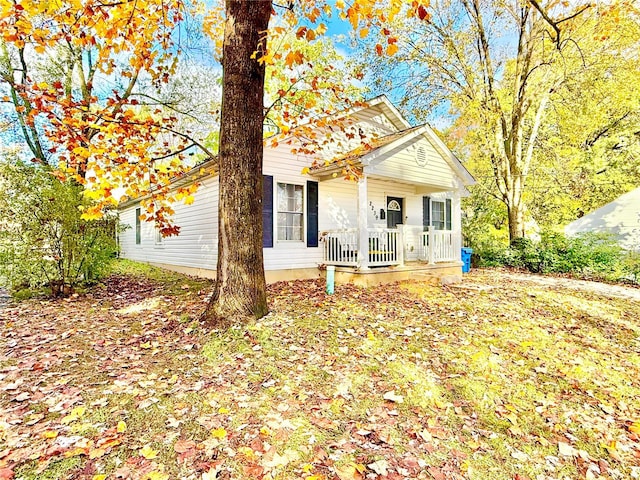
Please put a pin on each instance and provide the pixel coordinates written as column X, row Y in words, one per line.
column 494, row 379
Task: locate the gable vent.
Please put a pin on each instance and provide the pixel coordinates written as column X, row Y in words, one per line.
column 421, row 156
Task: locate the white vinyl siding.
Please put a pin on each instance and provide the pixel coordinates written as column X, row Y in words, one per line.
column 401, row 165
column 195, row 246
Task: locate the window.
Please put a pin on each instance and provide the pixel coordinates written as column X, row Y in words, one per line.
column 437, row 215
column 290, row 212
column 159, row 237
column 138, row 227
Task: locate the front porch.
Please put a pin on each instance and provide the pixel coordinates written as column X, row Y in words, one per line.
column 385, row 247
column 383, row 255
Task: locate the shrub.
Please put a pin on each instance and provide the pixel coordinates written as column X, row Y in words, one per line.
column 43, row 240
column 587, row 255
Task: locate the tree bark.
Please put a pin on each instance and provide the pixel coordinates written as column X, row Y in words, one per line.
column 515, row 214
column 240, row 290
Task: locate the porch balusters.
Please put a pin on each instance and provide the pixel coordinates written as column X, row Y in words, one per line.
column 385, row 247
column 440, row 245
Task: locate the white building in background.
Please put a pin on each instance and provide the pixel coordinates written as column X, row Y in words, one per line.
column 620, row 218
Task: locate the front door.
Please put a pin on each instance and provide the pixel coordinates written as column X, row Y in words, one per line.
column 395, row 213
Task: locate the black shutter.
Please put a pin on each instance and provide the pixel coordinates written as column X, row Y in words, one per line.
column 138, row 227
column 447, row 213
column 312, row 214
column 267, row 211
column 426, row 213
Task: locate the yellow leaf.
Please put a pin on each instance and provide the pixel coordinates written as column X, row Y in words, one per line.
column 364, row 32
column 92, row 213
column 74, row 452
column 392, row 49
column 155, row 475
column 101, row 476
column 188, row 200
column 635, row 428
column 370, row 336
column 148, row 452
column 50, row 434
column 97, row 453
column 218, row 433
column 348, row 472
column 122, row 427
column 223, row 410
column 75, row 414
column 305, row 170
column 247, row 452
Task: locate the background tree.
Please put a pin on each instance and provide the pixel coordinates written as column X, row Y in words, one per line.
column 493, row 63
column 79, row 78
column 589, row 148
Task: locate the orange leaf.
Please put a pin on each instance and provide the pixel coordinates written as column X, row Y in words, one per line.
column 392, row 49
column 182, row 446
column 379, row 49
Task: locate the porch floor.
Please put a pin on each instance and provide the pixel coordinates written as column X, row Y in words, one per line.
column 436, row 273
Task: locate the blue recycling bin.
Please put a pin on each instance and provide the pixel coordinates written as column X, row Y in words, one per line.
column 466, row 259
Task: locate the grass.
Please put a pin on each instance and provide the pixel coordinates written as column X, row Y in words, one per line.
column 487, row 381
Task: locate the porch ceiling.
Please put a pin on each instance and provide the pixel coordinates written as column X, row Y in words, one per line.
column 421, row 188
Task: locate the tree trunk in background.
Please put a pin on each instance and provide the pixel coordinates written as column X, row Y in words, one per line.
column 516, row 221
column 240, row 290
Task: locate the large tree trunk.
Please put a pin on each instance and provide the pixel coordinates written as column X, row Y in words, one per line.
column 240, row 290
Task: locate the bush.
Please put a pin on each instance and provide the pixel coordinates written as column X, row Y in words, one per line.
column 43, row 240
column 588, row 255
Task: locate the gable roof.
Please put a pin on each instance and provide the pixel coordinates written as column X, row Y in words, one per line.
column 363, row 156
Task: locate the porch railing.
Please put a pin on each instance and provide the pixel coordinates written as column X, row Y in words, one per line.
column 440, row 246
column 341, row 247
column 386, row 246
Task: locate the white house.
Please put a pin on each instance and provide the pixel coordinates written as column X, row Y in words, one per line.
column 620, row 218
column 400, row 219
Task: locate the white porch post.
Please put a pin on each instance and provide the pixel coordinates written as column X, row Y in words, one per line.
column 400, row 244
column 431, row 252
column 363, row 232
column 456, row 221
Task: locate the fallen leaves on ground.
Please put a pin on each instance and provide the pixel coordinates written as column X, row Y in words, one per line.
column 494, row 378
